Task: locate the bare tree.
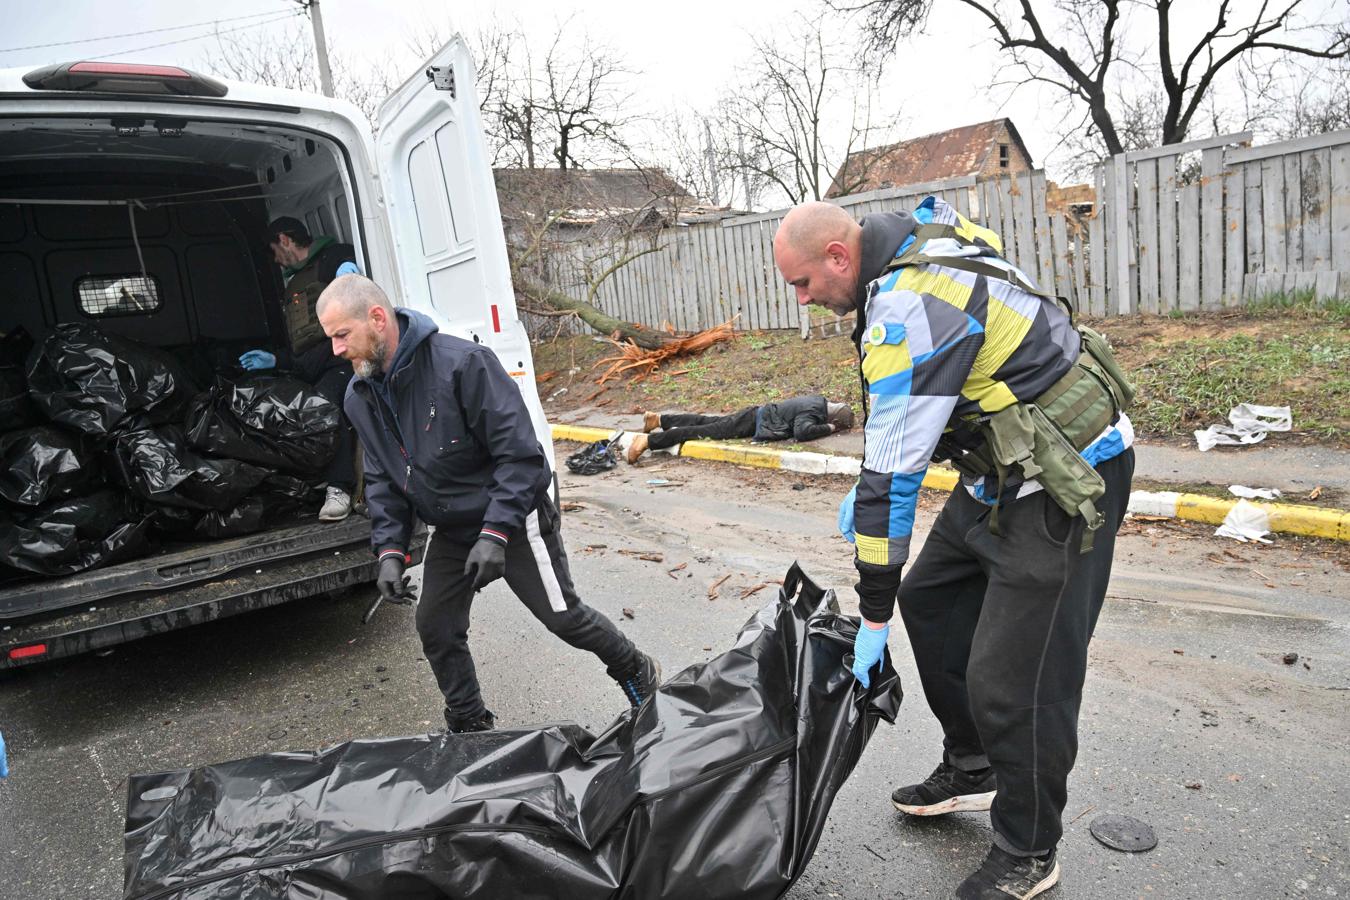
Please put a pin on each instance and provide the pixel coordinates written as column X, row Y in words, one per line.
column 1300, row 102
column 1085, row 48
column 800, row 107
column 286, row 60
column 564, row 108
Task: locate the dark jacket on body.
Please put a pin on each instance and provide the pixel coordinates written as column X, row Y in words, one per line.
column 447, row 436
column 798, row 419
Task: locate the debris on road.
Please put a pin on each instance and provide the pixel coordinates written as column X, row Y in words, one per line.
column 1245, row 522
column 1250, row 493
column 648, row 555
column 1123, row 833
column 571, row 506
column 712, row 591
column 595, row 457
column 1250, row 424
column 1289, row 659
column 754, row 589
column 681, row 567
column 628, row 613
column 1315, row 493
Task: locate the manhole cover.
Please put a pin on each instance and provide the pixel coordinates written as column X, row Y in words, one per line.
column 1124, row 833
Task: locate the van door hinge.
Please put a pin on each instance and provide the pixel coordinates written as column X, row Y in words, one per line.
column 442, row 78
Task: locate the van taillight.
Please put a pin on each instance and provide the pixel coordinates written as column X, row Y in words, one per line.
column 112, row 68
column 28, row 652
column 123, row 78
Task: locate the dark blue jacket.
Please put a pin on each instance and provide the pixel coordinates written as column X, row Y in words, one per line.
column 447, row 436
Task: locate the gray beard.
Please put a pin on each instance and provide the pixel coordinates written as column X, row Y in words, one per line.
column 368, row 368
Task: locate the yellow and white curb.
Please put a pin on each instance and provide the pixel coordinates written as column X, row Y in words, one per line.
column 1288, row 518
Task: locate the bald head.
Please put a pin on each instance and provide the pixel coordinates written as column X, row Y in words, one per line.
column 359, row 319
column 818, row 249
column 813, row 226
column 353, row 295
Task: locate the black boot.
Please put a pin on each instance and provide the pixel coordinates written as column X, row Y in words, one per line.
column 457, row 725
column 641, row 679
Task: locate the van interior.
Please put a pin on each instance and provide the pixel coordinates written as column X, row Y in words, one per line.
column 155, row 229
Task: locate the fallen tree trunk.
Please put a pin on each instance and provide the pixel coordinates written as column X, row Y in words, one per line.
column 603, row 322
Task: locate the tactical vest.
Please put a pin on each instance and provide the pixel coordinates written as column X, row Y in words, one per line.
column 302, row 294
column 1042, row 439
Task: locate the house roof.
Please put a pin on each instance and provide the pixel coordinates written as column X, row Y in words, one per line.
column 933, row 157
column 585, row 195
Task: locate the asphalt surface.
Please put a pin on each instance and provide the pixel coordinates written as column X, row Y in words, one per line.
column 1191, row 722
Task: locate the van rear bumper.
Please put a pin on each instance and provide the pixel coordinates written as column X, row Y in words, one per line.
column 127, row 618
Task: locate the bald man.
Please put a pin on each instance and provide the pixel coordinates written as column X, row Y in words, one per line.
column 448, row 438
column 1000, row 604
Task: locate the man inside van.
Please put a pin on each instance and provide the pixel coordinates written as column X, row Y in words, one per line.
column 448, row 439
column 308, row 265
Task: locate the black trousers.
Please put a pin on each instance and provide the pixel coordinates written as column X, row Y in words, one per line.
column 332, row 384
column 1000, row 628
column 676, row 428
column 537, row 573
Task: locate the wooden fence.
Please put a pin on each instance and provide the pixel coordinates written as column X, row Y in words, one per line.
column 1201, row 225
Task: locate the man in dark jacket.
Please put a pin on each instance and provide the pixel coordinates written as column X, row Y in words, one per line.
column 308, row 266
column 797, row 419
column 448, row 439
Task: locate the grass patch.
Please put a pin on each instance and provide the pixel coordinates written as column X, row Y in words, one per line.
column 1301, row 304
column 1193, row 383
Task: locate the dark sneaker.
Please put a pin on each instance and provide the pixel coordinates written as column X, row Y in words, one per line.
column 1005, row 876
column 454, row 725
column 639, row 682
column 947, row 790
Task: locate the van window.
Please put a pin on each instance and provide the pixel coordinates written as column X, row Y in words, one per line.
column 118, row 295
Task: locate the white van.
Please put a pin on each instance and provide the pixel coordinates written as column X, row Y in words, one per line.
column 136, row 197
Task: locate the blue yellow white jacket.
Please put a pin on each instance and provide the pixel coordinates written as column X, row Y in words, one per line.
column 941, row 345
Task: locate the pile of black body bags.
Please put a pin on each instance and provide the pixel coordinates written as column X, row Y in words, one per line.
column 109, row 447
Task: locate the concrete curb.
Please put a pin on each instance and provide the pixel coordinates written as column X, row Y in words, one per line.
column 1286, row 518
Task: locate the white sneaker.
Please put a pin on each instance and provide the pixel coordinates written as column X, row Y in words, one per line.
column 337, row 505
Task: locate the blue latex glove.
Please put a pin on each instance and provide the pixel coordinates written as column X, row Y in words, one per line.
column 868, row 648
column 348, row 268
column 846, row 514
column 257, row 360
column 4, row 765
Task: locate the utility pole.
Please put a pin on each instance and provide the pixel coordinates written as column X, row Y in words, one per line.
column 320, row 45
column 711, row 155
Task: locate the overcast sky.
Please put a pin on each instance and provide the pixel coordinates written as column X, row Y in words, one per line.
column 684, row 53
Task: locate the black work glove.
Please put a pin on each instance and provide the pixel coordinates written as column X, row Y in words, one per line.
column 389, row 578
column 486, row 562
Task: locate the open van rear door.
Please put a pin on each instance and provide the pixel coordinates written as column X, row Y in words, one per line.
column 442, row 206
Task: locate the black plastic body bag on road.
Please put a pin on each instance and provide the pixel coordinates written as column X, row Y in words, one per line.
column 718, row 786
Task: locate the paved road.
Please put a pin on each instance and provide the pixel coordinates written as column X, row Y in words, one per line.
column 1191, row 721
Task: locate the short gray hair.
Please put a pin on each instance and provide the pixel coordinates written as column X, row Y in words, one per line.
column 354, row 295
